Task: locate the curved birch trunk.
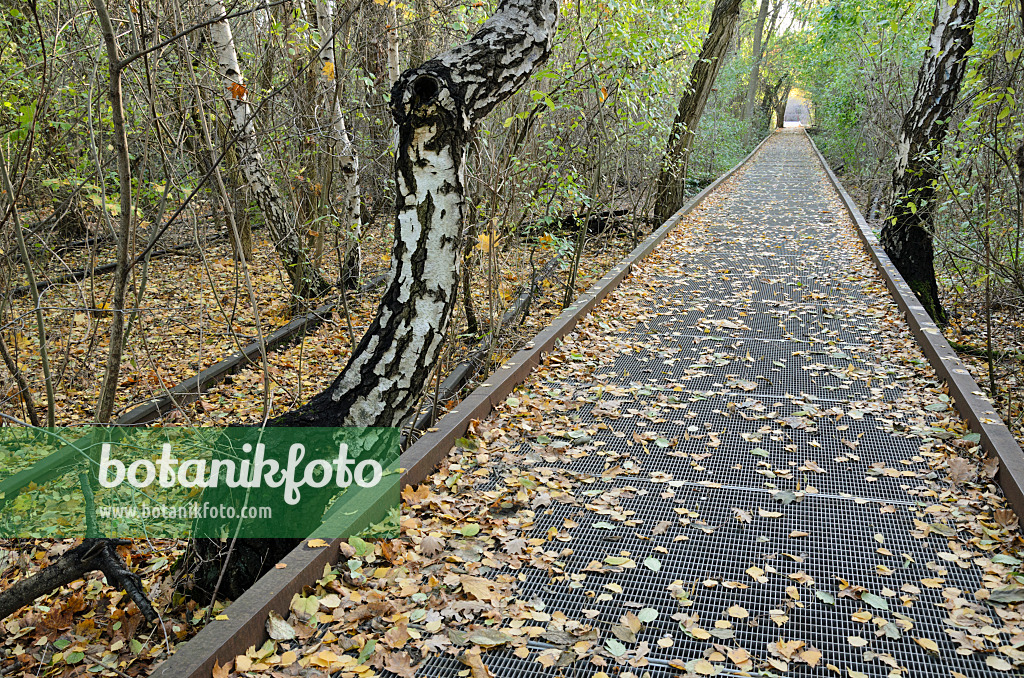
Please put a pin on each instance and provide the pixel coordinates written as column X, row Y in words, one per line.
column 907, row 233
column 671, row 191
column 305, row 279
column 435, row 107
column 341, row 149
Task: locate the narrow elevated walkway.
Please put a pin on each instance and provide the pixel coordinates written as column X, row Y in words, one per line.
column 738, row 463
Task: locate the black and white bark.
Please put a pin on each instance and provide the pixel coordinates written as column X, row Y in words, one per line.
column 342, row 150
column 671, row 190
column 305, row 279
column 907, row 233
column 435, row 107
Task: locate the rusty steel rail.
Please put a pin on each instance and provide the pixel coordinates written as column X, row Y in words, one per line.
column 968, row 398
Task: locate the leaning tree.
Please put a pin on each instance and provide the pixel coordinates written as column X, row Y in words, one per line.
column 435, row 106
column 907, row 233
column 671, row 190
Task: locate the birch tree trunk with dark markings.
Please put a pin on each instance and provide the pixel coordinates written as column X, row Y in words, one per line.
column 907, row 233
column 671, row 191
column 435, row 107
column 305, row 279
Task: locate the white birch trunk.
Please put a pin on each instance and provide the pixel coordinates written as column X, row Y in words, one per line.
column 341, row 148
column 392, row 33
column 435, row 107
column 306, row 280
column 907, row 233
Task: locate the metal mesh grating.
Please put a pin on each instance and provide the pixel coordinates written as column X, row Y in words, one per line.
column 789, row 278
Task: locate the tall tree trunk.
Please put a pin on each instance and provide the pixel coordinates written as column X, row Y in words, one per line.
column 907, row 233
column 392, row 35
column 781, row 102
column 672, row 179
column 435, row 106
column 755, row 67
column 306, row 281
column 115, row 350
column 342, row 150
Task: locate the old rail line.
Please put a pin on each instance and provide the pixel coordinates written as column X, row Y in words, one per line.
column 744, row 447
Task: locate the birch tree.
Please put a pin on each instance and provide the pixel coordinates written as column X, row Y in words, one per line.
column 341, row 148
column 435, row 106
column 907, row 233
column 671, row 191
column 305, row 279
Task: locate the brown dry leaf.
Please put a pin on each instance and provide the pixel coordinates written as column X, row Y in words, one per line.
column 430, row 546
column 222, row 671
column 1006, row 518
column 998, row 663
column 786, row 648
column 990, row 467
column 961, row 470
column 400, row 663
column 397, row 636
column 703, row 667
column 478, row 587
column 742, row 515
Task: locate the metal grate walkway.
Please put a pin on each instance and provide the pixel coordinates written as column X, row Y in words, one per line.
column 745, row 439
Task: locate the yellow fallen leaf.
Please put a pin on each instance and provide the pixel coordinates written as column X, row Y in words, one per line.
column 856, row 641
column 928, row 644
column 812, row 657
column 316, row 543
column 739, row 656
column 703, row 667
column 998, row 663
column 221, row 617
column 738, row 612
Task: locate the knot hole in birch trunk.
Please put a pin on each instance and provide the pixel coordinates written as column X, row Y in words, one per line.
column 425, row 87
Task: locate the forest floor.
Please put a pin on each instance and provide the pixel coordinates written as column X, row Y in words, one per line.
column 195, row 312
column 739, row 462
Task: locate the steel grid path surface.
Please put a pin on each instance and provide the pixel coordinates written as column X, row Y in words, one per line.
column 738, row 463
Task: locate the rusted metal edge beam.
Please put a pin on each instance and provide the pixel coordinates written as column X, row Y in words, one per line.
column 220, row 641
column 968, row 398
